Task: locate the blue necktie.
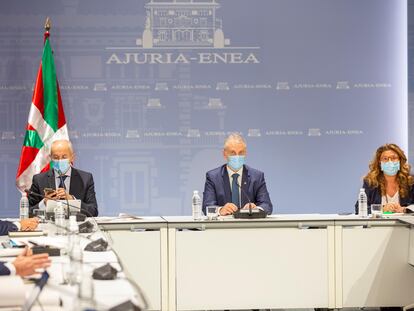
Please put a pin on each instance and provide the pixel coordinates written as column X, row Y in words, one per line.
column 235, row 196
column 62, row 181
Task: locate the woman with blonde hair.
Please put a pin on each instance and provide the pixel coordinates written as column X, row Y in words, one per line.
column 388, row 181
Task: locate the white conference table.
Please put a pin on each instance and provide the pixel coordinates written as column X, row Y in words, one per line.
column 410, row 221
column 283, row 261
column 142, row 245
column 107, row 293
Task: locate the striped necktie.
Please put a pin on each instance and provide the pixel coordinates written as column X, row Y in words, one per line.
column 62, row 181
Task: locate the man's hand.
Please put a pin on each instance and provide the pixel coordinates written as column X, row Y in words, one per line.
column 26, row 264
column 50, row 196
column 247, row 205
column 393, row 207
column 61, row 194
column 29, row 224
column 228, row 209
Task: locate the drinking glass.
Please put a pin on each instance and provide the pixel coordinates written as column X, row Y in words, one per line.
column 376, row 210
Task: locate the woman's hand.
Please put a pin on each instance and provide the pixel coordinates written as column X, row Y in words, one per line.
column 393, row 207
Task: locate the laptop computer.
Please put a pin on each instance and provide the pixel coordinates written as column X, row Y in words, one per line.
column 74, row 206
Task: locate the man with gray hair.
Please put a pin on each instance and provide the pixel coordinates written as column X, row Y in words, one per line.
column 63, row 182
column 235, row 185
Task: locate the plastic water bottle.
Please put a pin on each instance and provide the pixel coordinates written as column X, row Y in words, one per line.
column 86, row 293
column 60, row 219
column 75, row 252
column 362, row 203
column 73, row 230
column 196, row 200
column 24, row 207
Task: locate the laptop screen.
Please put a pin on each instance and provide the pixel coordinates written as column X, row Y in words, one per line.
column 74, row 205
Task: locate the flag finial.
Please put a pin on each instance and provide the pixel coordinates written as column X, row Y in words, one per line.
column 48, row 24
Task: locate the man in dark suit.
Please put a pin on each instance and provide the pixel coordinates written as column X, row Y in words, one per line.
column 233, row 185
column 67, row 182
column 6, row 227
column 25, row 264
column 28, row 224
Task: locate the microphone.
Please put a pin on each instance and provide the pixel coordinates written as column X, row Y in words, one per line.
column 252, row 213
column 248, row 198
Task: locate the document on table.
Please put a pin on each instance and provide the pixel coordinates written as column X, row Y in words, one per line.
column 10, row 252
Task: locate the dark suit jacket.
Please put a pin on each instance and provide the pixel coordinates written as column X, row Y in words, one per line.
column 3, row 269
column 81, row 186
column 6, row 227
column 374, row 197
column 217, row 189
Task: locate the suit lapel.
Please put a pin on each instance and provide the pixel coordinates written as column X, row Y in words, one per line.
column 226, row 184
column 75, row 187
column 51, row 179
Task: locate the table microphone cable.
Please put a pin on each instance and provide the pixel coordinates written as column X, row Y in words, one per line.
column 127, row 274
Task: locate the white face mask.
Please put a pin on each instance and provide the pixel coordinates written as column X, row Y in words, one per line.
column 390, row 168
column 61, row 166
column 236, row 162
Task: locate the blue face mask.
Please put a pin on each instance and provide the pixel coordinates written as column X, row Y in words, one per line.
column 390, row 168
column 61, row 166
column 236, row 162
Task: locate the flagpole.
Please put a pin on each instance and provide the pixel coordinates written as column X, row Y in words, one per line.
column 46, row 121
column 48, row 25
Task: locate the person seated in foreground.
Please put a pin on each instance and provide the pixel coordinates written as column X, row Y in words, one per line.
column 25, row 264
column 28, row 224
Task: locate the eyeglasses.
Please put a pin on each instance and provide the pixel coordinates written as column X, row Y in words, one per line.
column 391, row 158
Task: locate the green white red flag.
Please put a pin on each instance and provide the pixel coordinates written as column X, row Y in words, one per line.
column 46, row 122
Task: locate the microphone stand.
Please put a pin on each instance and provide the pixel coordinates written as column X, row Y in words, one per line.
column 248, row 199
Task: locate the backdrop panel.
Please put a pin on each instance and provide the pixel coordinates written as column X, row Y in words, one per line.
column 151, row 88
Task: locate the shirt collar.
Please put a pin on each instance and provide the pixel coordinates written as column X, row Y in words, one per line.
column 68, row 173
column 231, row 172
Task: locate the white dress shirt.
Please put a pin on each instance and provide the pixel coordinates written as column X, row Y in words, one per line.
column 67, row 180
column 239, row 179
column 387, row 199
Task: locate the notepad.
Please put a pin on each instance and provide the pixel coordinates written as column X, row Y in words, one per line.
column 21, row 234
